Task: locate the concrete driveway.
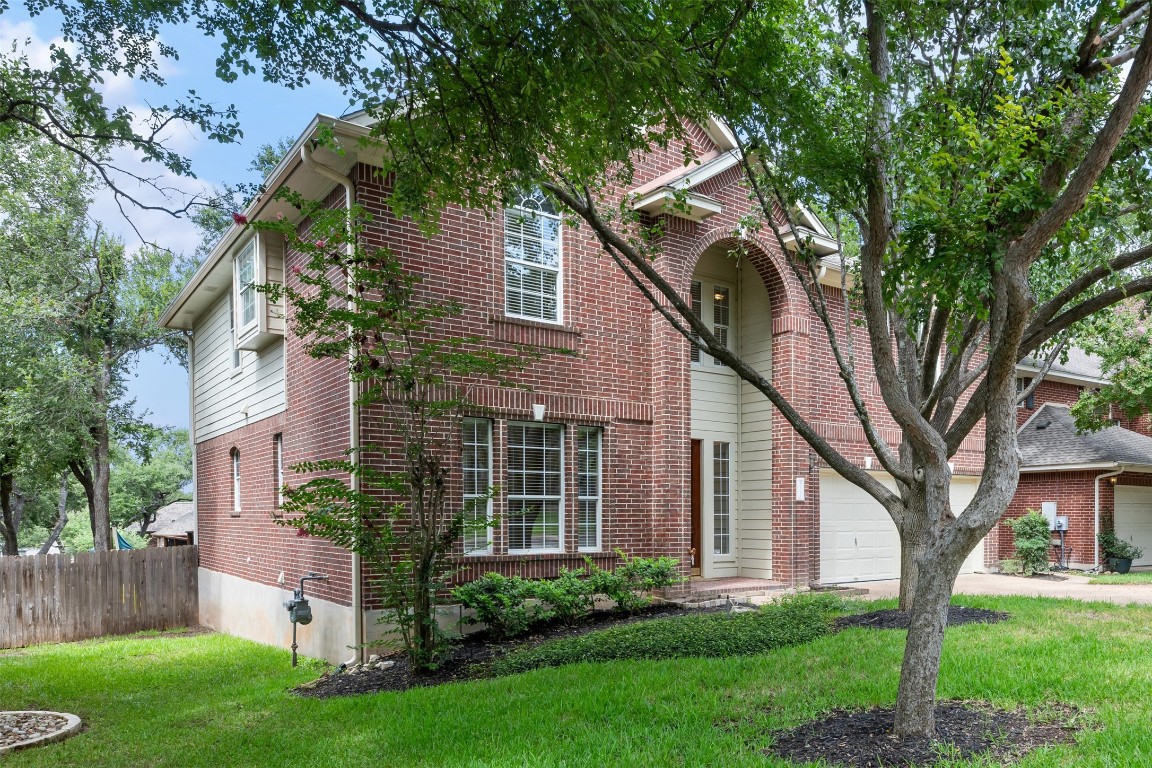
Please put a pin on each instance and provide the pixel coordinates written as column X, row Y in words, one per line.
column 1074, row 586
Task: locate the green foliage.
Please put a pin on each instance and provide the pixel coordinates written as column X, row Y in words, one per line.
column 569, row 595
column 502, row 603
column 1112, row 546
column 153, row 475
column 509, row 605
column 1032, row 540
column 390, row 503
column 1011, row 566
column 715, row 635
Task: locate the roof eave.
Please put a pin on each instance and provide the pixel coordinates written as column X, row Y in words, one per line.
column 274, row 181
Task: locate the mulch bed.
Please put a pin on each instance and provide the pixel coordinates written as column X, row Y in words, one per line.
column 469, row 658
column 895, row 619
column 963, row 730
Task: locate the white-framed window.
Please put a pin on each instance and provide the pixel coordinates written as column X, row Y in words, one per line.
column 721, row 499
column 535, row 487
column 233, row 347
column 721, row 315
column 278, row 457
column 589, row 458
column 246, row 286
column 533, row 283
column 477, row 463
column 713, row 303
column 235, row 482
column 697, row 300
column 1022, row 383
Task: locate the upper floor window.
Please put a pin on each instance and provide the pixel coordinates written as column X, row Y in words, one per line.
column 246, row 284
column 1022, row 384
column 712, row 303
column 532, row 259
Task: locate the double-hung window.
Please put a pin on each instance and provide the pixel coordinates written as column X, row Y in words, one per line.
column 235, row 482
column 477, row 461
column 535, row 487
column 532, row 259
column 588, row 474
column 246, row 285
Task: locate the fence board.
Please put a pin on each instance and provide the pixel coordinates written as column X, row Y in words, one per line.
column 62, row 598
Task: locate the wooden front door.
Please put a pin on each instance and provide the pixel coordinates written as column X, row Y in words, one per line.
column 696, row 508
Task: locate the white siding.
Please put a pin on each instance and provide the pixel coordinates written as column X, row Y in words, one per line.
column 755, row 333
column 274, row 273
column 221, row 395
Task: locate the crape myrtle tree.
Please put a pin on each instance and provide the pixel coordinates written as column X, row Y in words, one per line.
column 985, row 153
column 390, row 499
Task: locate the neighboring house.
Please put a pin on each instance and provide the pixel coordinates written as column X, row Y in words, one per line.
column 172, row 527
column 643, row 445
column 1099, row 481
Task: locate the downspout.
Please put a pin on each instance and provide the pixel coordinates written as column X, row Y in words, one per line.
column 1096, row 518
column 192, row 436
column 353, row 396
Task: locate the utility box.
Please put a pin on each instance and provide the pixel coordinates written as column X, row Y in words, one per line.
column 1061, row 523
column 1048, row 509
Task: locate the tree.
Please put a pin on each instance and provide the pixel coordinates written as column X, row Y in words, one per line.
column 62, row 103
column 154, row 473
column 115, row 315
column 387, row 501
column 984, row 152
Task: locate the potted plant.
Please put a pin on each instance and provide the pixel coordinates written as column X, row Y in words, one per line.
column 1117, row 552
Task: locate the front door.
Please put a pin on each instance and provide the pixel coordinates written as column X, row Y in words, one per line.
column 695, row 506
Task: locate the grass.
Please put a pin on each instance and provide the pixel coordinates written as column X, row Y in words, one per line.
column 212, row 700
column 1142, row 577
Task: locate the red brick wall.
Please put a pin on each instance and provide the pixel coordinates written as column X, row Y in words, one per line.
column 250, row 545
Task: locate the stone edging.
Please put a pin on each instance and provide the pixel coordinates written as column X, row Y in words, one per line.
column 70, row 728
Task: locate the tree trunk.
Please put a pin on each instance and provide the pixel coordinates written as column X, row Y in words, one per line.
column 101, row 523
column 61, row 516
column 83, row 476
column 916, row 697
column 7, row 523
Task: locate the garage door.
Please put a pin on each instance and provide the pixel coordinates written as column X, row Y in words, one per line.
column 1134, row 519
column 858, row 540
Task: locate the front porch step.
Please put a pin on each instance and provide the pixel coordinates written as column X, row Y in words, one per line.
column 701, row 589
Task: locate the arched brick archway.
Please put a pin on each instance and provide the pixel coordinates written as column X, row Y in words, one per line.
column 794, row 521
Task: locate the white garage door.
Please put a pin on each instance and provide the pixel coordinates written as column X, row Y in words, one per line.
column 858, row 540
column 1134, row 519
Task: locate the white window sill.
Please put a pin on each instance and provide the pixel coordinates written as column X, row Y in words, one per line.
column 536, row 552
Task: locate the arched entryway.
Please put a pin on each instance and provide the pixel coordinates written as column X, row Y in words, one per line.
column 731, row 422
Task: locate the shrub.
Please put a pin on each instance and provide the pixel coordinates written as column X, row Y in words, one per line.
column 569, row 595
column 1011, row 567
column 500, row 602
column 708, row 635
column 1033, row 538
column 1114, row 547
column 640, row 576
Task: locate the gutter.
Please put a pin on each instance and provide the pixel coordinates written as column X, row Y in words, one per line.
column 275, row 180
column 353, row 396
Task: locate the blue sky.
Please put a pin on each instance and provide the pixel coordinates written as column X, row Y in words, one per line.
column 267, row 113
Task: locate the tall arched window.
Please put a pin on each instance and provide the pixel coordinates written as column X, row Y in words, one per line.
column 235, row 481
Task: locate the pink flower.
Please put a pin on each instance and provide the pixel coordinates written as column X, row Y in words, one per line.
column 280, row 216
column 240, row 219
column 301, row 533
column 296, row 269
column 319, row 243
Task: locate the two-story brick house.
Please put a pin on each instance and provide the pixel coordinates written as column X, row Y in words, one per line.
column 634, row 443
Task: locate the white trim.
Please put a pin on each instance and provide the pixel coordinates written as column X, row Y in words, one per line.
column 560, row 499
column 558, row 270
column 671, row 201
column 234, row 460
column 1063, row 377
column 1067, row 467
column 487, row 548
column 599, row 498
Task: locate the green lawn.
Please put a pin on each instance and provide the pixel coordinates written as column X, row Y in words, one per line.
column 1143, row 577
column 217, row 701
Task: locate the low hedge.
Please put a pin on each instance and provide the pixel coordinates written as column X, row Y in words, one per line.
column 709, row 635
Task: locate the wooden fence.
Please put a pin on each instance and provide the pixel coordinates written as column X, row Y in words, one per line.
column 61, row 598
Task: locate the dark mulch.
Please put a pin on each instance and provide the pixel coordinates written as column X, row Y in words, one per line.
column 963, row 730
column 895, row 619
column 470, row 657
